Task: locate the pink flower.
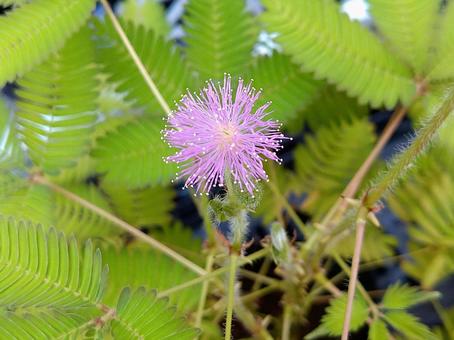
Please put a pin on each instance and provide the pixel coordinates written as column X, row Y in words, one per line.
column 217, row 133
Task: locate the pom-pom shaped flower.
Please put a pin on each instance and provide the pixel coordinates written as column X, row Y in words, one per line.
column 218, row 135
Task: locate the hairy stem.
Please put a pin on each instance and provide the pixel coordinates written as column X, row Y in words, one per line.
column 230, row 295
column 143, row 71
column 403, row 161
column 122, row 224
column 360, row 228
column 399, row 167
column 203, row 295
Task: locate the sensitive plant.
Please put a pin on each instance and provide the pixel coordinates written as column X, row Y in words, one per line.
column 104, row 109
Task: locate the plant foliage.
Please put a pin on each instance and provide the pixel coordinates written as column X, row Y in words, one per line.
column 283, row 83
column 148, row 268
column 161, row 58
column 24, row 45
column 48, row 286
column 52, row 288
column 57, row 105
column 408, row 27
column 220, row 37
column 324, row 41
column 132, row 155
column 329, row 159
column 148, row 13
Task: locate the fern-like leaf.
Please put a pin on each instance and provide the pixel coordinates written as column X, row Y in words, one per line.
column 323, row 40
column 57, row 105
column 283, row 83
column 408, row 26
column 132, row 155
column 32, row 32
column 328, row 160
column 148, row 13
column 332, row 107
column 148, row 206
column 220, row 37
column 442, row 67
column 141, row 315
column 47, row 286
column 161, row 59
column 149, row 268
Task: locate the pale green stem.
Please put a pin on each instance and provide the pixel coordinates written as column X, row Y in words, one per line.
column 287, row 322
column 255, row 256
column 136, row 59
column 204, row 293
column 230, row 295
column 360, row 228
column 403, row 161
column 120, row 223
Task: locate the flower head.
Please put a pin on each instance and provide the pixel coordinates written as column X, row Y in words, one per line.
column 217, row 134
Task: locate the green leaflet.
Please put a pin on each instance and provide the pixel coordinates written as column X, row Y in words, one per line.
column 403, row 296
column 149, row 13
column 148, row 206
column 57, row 105
column 409, row 326
column 408, row 25
column 141, row 315
column 333, row 320
column 324, row 41
column 149, row 268
column 48, row 287
column 161, row 58
column 32, row 32
column 27, row 202
column 284, row 84
column 220, row 37
column 132, row 155
column 442, row 67
column 328, row 160
column 378, row 330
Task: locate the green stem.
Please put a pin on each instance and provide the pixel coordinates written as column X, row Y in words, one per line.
column 230, row 295
column 203, row 295
column 287, row 322
column 403, row 161
column 36, row 178
column 257, row 255
column 360, row 229
column 136, row 59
